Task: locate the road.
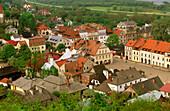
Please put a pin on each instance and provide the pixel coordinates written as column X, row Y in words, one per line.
column 121, row 64
column 100, row 9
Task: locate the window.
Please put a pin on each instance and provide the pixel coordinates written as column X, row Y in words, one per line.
column 87, row 67
column 120, row 86
column 103, row 57
column 42, row 47
column 153, row 57
column 162, row 59
column 158, row 58
column 96, row 58
column 106, row 56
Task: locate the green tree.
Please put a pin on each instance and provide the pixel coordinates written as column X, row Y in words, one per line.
column 61, row 47
column 160, row 29
column 52, row 25
column 27, row 20
column 24, row 52
column 7, row 52
column 15, row 13
column 7, row 14
column 47, row 72
column 112, row 40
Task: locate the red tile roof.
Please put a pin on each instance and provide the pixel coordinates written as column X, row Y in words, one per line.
column 162, row 47
column 88, row 46
column 55, row 56
column 149, row 45
column 42, row 27
column 42, row 10
column 75, row 67
column 67, row 32
column 36, row 41
column 130, row 43
column 1, row 10
column 91, row 27
column 6, row 80
column 139, row 43
column 165, row 88
column 12, row 42
column 60, row 63
column 117, row 32
column 22, row 43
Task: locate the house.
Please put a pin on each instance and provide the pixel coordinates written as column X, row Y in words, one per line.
column 22, row 85
column 1, row 14
column 56, row 40
column 12, row 42
column 57, row 21
column 145, row 31
column 5, row 82
column 146, row 86
column 74, row 69
column 36, row 43
column 151, row 52
column 35, row 94
column 87, row 77
column 60, row 84
column 126, row 24
column 44, row 31
column 103, row 88
column 16, row 37
column 128, row 49
column 44, row 12
column 94, row 32
column 96, row 50
column 123, row 79
column 165, row 90
column 67, row 32
column 60, row 66
column 10, row 29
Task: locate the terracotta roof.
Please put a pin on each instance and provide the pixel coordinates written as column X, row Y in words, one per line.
column 162, row 47
column 108, row 30
column 75, row 67
column 6, row 80
column 36, row 41
column 55, row 56
column 60, row 63
column 165, row 88
column 91, row 27
column 42, row 27
column 130, row 43
column 149, row 45
column 12, row 42
column 87, row 46
column 67, row 32
column 139, row 43
column 1, row 10
column 22, row 43
column 42, row 10
column 117, row 32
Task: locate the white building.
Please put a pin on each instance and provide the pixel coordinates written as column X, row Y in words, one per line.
column 1, row 14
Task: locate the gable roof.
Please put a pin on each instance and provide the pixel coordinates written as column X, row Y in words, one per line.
column 87, row 46
column 149, row 45
column 165, row 88
column 54, row 39
column 162, row 47
column 54, row 83
column 12, row 42
column 103, row 88
column 99, row 73
column 139, row 43
column 126, row 76
column 149, row 85
column 61, row 62
column 36, row 41
column 26, row 84
column 117, row 32
column 1, row 10
column 130, row 43
column 42, row 27
column 75, row 67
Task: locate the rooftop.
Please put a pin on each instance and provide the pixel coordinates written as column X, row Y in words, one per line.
column 165, row 88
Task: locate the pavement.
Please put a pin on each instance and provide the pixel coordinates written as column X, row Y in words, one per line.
column 150, row 71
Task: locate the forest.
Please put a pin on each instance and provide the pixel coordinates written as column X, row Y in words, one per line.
column 107, row 3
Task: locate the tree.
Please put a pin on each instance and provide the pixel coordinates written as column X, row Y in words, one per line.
column 47, row 72
column 15, row 13
column 7, row 52
column 112, row 40
column 24, row 52
column 17, row 62
column 61, row 47
column 27, row 20
column 7, row 14
column 160, row 29
column 52, row 25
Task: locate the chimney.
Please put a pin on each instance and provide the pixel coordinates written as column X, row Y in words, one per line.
column 143, row 86
column 110, row 78
column 131, row 85
column 31, row 91
column 153, row 80
column 67, row 81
